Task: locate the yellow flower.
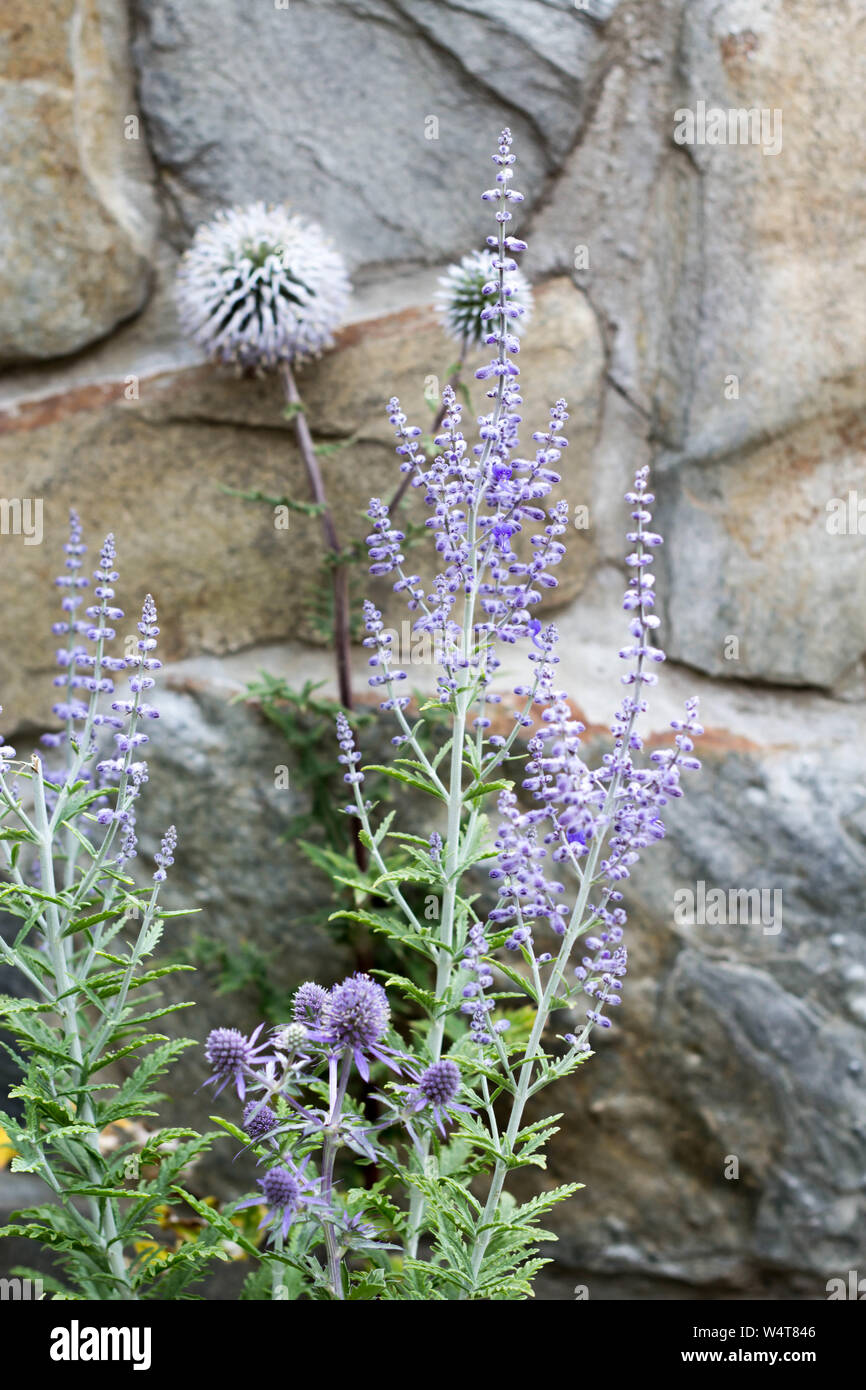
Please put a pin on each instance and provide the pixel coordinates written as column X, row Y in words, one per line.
column 7, row 1153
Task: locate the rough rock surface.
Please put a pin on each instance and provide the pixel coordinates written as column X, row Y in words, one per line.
column 77, row 214
column 236, row 110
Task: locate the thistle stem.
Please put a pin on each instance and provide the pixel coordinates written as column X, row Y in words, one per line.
column 329, row 1154
column 340, row 580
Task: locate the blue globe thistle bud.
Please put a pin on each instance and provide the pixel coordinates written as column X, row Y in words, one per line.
column 440, row 1083
column 259, row 287
column 308, row 1003
column 232, row 1056
column 259, row 1119
column 469, row 288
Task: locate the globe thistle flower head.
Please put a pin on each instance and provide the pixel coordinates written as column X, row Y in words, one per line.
column 233, row 1057
column 259, row 286
column 355, row 1017
column 469, row 287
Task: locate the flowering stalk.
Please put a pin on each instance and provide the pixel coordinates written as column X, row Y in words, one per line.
column 75, row 952
column 581, row 810
column 265, row 290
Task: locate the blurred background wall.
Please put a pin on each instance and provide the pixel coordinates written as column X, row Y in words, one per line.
column 702, row 305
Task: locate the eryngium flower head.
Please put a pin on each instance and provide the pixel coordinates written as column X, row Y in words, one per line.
column 435, row 1091
column 469, row 287
column 286, row 1191
column 259, row 1119
column 308, row 1004
column 232, row 1056
column 259, row 287
column 440, row 1083
column 355, row 1017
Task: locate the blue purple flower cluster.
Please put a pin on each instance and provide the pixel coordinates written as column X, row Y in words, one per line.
column 332, row 1031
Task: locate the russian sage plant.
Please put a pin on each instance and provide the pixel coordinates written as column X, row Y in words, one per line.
column 455, row 1109
column 83, row 1026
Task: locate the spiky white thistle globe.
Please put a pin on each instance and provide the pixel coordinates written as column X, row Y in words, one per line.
column 462, row 298
column 259, row 286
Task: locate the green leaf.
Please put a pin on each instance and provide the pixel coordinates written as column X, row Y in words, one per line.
column 398, row 775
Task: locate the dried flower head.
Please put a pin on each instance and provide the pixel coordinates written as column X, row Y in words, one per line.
column 259, row 286
column 469, row 287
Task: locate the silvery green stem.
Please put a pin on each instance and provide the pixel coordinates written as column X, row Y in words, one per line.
column 103, row 1213
column 329, row 1154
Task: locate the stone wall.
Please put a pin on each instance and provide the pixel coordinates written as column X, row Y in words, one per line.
column 703, row 308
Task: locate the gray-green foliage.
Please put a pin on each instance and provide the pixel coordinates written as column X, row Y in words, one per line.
column 81, row 938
